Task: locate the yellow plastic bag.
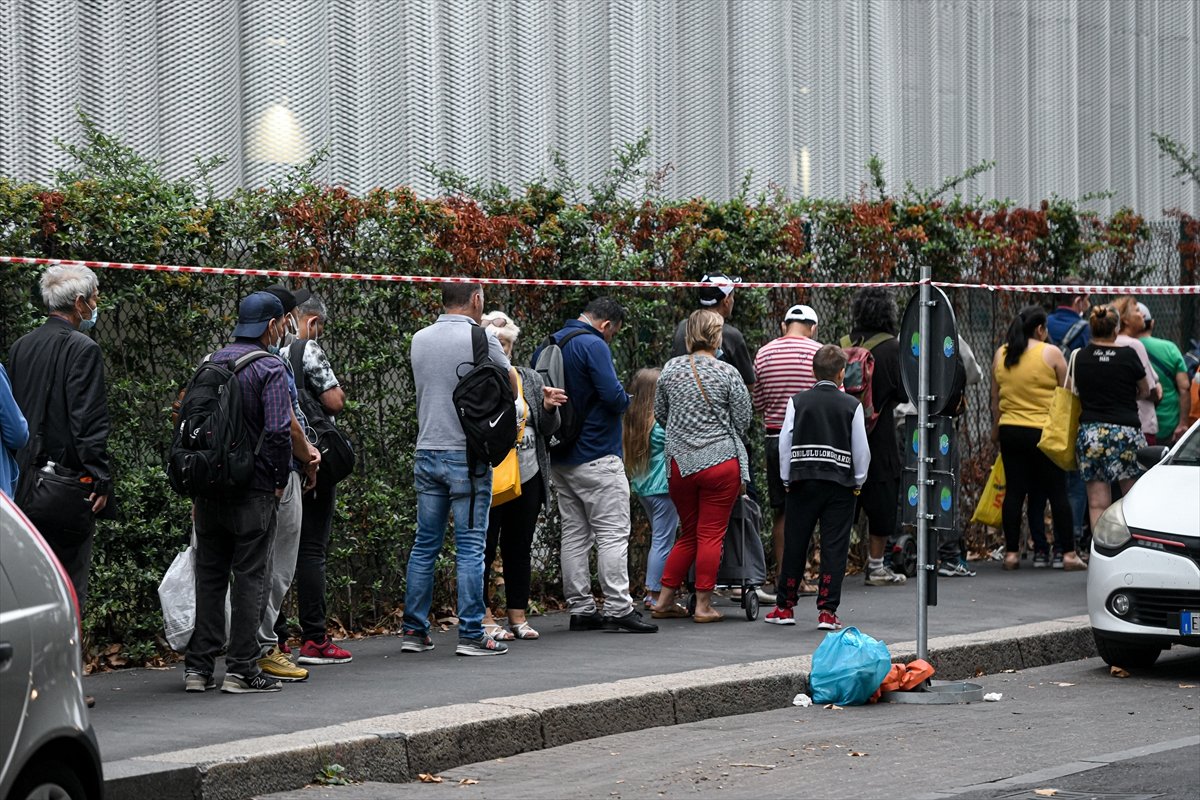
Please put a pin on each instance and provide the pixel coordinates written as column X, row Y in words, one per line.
column 1062, row 427
column 506, row 478
column 988, row 510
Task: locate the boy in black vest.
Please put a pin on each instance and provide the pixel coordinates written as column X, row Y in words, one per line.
column 823, row 461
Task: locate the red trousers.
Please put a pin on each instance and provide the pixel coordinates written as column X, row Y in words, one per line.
column 704, row 501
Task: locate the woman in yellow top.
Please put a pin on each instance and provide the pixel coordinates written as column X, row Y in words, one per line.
column 1025, row 373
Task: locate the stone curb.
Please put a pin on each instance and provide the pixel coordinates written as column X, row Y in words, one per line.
column 399, row 747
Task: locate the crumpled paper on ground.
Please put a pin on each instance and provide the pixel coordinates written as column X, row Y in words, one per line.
column 802, row 700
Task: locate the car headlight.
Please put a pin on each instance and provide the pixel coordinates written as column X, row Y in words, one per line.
column 1111, row 530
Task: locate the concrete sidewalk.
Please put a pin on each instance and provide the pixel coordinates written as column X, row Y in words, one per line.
column 387, row 715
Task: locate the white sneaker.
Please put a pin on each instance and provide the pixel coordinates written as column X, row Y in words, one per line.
column 884, row 576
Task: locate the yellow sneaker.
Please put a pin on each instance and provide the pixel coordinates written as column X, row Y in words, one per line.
column 278, row 665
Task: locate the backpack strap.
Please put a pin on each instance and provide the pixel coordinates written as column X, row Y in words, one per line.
column 296, row 357
column 479, row 346
column 1072, row 333
column 562, row 343
column 1161, row 367
column 875, row 341
column 868, row 344
column 249, row 358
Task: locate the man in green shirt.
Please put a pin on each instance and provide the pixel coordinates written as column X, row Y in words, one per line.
column 1168, row 362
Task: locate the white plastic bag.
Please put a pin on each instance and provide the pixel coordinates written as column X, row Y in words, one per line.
column 177, row 594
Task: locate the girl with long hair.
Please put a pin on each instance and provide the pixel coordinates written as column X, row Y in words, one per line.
column 643, row 440
column 1026, row 371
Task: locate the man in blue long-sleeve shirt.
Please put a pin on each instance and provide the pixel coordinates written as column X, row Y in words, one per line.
column 589, row 479
column 235, row 533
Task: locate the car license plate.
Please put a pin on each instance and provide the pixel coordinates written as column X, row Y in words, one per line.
column 1189, row 623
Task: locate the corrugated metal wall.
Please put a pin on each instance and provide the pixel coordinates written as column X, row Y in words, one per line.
column 1063, row 94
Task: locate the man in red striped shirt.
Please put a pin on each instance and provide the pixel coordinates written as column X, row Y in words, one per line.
column 783, row 367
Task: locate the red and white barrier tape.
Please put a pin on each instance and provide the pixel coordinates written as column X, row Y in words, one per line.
column 518, row 281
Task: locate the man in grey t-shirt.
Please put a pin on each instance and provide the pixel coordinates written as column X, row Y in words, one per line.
column 440, row 354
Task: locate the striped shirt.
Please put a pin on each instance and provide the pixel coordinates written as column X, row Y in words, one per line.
column 702, row 433
column 784, row 368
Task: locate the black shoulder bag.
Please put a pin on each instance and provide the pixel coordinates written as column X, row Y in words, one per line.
column 337, row 451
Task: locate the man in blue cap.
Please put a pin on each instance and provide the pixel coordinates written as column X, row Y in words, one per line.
column 235, row 533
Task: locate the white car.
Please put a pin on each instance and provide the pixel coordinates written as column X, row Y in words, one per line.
column 47, row 747
column 1143, row 581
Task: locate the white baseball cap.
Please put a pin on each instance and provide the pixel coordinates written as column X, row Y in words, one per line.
column 801, row 313
column 1142, row 307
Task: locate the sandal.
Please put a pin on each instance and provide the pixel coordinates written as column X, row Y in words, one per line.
column 1012, row 561
column 522, row 631
column 673, row 611
column 498, row 633
column 717, row 617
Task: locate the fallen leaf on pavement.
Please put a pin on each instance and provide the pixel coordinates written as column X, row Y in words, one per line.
column 1045, row 792
column 835, row 707
column 857, row 754
column 1117, row 672
column 1187, row 686
column 428, row 778
column 468, row 782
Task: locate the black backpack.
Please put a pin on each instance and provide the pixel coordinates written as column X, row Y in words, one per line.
column 337, row 451
column 486, row 408
column 550, row 366
column 210, row 455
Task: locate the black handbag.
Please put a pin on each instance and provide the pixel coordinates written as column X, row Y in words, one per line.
column 56, row 502
column 337, row 451
column 54, row 497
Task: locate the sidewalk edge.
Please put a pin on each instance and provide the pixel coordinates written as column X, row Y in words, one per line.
column 399, row 747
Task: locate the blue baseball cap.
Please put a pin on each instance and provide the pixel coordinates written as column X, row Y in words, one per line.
column 255, row 312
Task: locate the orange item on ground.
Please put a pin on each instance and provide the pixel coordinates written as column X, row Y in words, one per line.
column 904, row 678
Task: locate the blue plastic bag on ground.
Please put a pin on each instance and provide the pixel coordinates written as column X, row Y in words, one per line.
column 848, row 667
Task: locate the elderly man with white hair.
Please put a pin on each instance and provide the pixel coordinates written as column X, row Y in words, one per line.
column 58, row 381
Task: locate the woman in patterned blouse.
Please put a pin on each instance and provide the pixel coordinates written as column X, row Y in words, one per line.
column 705, row 408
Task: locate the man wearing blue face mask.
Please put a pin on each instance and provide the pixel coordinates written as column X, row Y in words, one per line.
column 57, row 377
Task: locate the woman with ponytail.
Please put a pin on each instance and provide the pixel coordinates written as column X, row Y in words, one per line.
column 1110, row 379
column 1025, row 372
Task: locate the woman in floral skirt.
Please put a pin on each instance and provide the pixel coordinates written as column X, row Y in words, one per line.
column 1109, row 380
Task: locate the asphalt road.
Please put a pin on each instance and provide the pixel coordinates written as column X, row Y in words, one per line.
column 1070, row 727
column 144, row 711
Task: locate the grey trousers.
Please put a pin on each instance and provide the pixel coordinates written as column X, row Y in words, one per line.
column 593, row 499
column 282, row 565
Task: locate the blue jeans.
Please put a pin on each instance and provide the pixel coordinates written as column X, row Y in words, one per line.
column 443, row 483
column 664, row 519
column 1077, row 497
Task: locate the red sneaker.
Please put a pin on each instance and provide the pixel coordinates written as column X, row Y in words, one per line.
column 285, row 648
column 324, row 653
column 780, row 616
column 828, row 621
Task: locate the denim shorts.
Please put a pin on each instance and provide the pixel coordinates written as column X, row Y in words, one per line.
column 1108, row 452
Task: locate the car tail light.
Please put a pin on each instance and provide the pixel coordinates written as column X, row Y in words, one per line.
column 49, row 553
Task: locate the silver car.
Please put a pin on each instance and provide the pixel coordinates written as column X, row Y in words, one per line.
column 47, row 747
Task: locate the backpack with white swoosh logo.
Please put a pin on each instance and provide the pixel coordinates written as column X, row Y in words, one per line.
column 486, row 408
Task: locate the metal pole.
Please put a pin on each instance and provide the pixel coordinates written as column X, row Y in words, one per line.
column 923, row 464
